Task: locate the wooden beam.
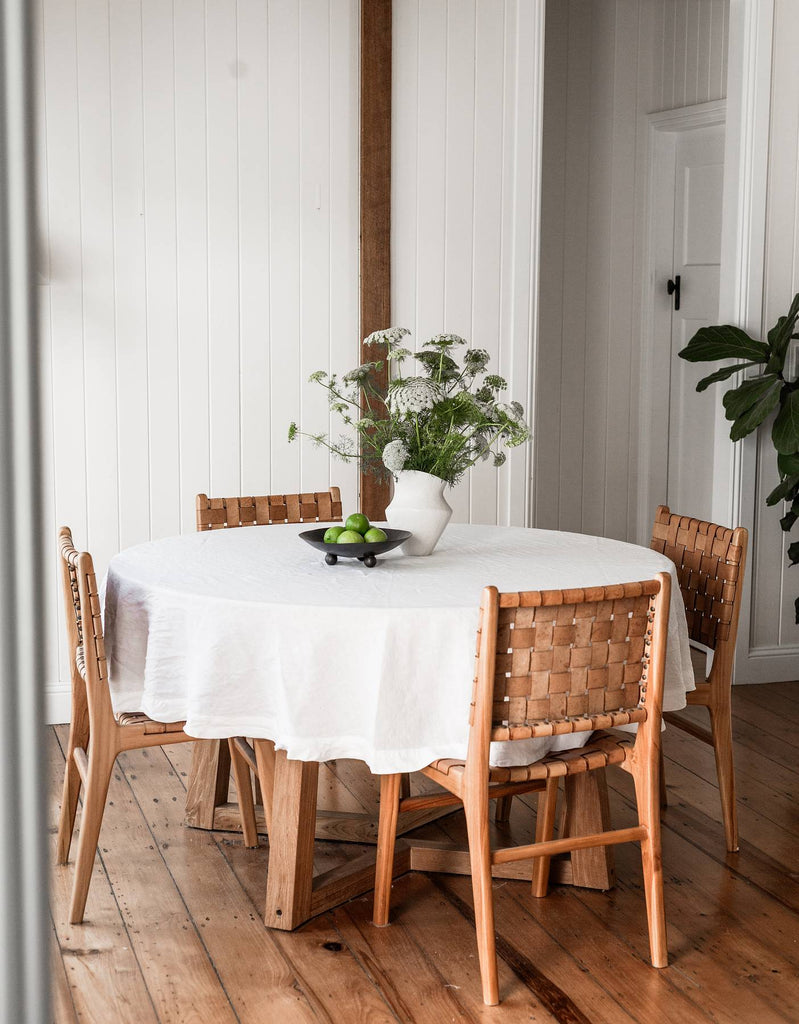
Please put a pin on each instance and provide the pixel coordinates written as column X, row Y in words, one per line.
column 375, row 193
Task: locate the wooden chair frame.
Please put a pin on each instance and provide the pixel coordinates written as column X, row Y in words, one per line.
column 96, row 735
column 212, row 760
column 474, row 783
column 710, row 561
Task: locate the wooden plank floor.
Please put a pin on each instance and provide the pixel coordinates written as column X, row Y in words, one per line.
column 173, row 928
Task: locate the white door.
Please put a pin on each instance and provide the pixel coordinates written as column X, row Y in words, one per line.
column 696, row 257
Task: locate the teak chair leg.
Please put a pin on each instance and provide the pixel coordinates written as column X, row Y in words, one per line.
column 721, row 728
column 502, row 813
column 664, row 796
column 101, row 764
column 390, row 788
column 476, row 809
column 647, row 795
column 544, row 827
column 243, row 781
column 78, row 737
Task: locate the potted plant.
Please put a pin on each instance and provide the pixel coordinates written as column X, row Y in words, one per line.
column 768, row 391
column 438, row 423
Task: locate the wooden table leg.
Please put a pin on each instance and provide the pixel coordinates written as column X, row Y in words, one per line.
column 289, row 880
column 587, row 811
column 208, row 782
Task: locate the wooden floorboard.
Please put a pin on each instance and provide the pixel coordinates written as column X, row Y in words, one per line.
column 173, row 929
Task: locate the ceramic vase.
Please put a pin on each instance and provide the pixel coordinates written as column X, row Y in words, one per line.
column 419, row 505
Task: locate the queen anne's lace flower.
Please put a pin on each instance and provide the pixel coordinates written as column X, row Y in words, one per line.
column 395, row 455
column 390, row 336
column 413, row 395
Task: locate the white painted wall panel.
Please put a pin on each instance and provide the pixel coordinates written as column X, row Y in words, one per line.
column 200, row 200
column 200, row 190
column 467, row 82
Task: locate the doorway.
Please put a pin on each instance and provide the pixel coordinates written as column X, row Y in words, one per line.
column 686, row 170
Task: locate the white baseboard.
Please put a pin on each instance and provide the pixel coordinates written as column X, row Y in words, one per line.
column 57, row 703
column 768, row 665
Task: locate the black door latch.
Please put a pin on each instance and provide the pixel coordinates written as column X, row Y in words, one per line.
column 673, row 288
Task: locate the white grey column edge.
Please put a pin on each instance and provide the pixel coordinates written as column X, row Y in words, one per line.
column 24, row 981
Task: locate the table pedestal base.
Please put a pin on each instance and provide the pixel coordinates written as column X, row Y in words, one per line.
column 294, row 895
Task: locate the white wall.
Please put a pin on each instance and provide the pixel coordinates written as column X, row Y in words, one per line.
column 773, row 639
column 607, row 64
column 199, row 255
column 199, row 258
column 465, row 147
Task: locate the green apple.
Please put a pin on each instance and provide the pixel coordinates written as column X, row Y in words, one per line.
column 332, row 535
column 357, row 522
column 374, row 536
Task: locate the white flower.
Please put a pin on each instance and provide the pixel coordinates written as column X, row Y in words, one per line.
column 388, row 336
column 395, row 455
column 512, row 410
column 413, row 395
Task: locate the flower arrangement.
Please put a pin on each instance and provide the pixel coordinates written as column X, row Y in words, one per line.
column 440, row 421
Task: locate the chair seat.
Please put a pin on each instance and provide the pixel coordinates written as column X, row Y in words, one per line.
column 138, row 718
column 603, row 749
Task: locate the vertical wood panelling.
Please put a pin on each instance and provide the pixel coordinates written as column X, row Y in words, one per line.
column 158, row 75
column 223, row 70
column 467, row 84
column 200, row 191
column 343, row 327
column 130, row 288
column 608, row 63
column 191, row 149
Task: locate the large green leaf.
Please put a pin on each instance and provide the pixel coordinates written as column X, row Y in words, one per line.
column 779, row 336
column 785, row 432
column 754, row 416
column 784, row 490
column 746, row 395
column 788, row 465
column 724, row 342
column 793, row 552
column 790, row 517
column 722, row 374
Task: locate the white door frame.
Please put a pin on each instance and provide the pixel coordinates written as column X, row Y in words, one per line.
column 663, row 129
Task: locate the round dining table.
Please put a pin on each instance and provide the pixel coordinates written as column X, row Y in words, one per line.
column 248, row 632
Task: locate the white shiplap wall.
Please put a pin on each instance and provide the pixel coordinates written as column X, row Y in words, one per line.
column 199, row 256
column 465, row 168
column 608, row 63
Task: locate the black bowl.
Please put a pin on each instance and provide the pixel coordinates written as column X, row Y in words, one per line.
column 365, row 552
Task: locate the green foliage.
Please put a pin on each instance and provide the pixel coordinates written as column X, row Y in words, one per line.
column 441, row 421
column 750, row 403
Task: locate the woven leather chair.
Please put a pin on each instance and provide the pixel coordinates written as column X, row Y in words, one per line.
column 261, row 510
column 96, row 734
column 710, row 564
column 549, row 663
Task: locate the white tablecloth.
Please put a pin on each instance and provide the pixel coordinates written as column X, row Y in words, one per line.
column 248, row 632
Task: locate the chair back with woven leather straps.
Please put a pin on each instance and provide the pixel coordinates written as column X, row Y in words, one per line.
column 263, row 510
column 566, row 661
column 88, row 668
column 710, row 562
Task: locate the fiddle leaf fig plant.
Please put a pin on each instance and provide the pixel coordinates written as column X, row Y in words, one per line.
column 772, row 389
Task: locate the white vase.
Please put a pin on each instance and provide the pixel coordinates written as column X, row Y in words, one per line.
column 419, row 505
